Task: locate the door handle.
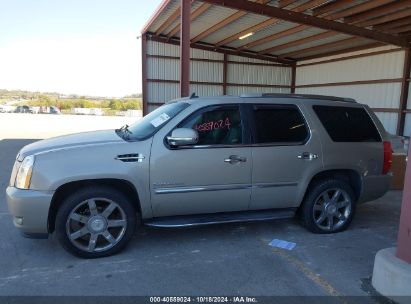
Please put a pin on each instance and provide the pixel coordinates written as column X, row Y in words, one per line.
column 308, row 156
column 235, row 159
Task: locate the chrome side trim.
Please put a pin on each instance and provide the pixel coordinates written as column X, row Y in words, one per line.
column 284, row 184
column 218, row 188
column 199, row 189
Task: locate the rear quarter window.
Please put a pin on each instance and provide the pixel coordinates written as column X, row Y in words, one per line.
column 347, row 124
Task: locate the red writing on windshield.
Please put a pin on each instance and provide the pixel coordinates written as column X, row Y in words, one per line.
column 213, row 125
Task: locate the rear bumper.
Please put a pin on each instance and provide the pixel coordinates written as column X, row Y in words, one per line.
column 30, row 210
column 373, row 187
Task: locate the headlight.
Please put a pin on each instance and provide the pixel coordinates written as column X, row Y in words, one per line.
column 24, row 173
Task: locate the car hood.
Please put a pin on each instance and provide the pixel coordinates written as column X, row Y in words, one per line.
column 70, row 141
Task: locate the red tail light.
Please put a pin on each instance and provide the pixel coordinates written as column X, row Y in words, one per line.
column 387, row 157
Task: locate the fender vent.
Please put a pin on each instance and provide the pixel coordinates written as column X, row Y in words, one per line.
column 127, row 158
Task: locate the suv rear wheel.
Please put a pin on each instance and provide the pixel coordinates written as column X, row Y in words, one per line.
column 95, row 222
column 329, row 207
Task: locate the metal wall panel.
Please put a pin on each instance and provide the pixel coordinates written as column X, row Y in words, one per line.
column 383, row 66
column 163, row 68
column 389, row 120
column 374, row 67
column 159, row 92
column 206, row 90
column 258, row 74
column 237, row 90
column 211, row 72
column 378, row 95
column 162, row 49
column 206, row 71
column 407, row 128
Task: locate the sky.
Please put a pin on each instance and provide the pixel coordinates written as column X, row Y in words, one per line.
column 84, row 47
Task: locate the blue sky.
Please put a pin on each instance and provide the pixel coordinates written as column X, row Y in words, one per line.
column 84, row 47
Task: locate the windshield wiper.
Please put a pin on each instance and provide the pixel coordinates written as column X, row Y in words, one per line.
column 125, row 131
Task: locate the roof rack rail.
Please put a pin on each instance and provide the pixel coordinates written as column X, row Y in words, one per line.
column 301, row 96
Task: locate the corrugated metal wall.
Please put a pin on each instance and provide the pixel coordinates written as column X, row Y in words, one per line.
column 374, row 80
column 244, row 75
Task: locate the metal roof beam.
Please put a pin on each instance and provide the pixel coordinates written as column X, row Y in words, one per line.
column 326, row 14
column 225, row 50
column 274, row 12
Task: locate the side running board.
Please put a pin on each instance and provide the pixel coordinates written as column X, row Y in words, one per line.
column 218, row 218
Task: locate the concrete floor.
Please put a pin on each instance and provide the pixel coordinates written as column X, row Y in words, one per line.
column 230, row 259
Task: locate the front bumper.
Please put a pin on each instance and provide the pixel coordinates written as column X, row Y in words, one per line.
column 30, row 209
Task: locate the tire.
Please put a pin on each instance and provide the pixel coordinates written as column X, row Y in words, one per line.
column 96, row 222
column 323, row 205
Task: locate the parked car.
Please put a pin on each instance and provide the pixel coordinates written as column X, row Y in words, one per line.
column 197, row 161
column 24, row 109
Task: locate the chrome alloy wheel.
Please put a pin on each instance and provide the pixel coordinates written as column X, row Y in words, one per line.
column 96, row 225
column 332, row 209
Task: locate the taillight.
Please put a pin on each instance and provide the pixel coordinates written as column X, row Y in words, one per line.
column 387, row 157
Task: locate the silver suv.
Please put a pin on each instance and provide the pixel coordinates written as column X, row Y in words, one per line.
column 197, row 161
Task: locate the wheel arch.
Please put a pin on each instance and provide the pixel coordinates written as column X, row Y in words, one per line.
column 349, row 176
column 64, row 190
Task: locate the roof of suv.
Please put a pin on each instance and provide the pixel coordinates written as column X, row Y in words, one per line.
column 271, row 95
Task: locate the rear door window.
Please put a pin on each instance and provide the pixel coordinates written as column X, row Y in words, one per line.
column 279, row 124
column 347, row 124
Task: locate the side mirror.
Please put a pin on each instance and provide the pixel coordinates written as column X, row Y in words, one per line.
column 182, row 137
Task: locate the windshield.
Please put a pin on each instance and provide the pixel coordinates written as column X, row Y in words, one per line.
column 152, row 122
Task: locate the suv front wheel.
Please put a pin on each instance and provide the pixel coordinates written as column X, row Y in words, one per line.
column 95, row 222
column 329, row 207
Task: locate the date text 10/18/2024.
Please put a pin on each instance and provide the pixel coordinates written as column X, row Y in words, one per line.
column 236, row 299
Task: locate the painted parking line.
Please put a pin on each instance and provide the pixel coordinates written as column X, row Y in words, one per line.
column 301, row 267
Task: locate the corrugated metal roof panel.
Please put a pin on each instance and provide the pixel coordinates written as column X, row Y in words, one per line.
column 331, row 39
column 240, row 24
column 267, row 31
column 332, row 49
column 303, row 34
column 209, row 18
column 170, row 9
